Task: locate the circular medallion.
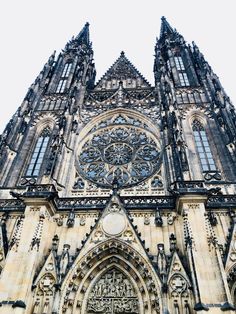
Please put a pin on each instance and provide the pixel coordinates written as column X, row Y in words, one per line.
column 118, row 154
column 124, row 155
column 113, row 223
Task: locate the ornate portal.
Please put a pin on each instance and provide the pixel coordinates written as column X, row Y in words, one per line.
column 113, row 293
column 124, row 154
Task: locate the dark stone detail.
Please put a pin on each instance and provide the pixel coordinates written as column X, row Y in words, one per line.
column 173, row 242
column 212, row 219
column 53, row 102
column 43, row 191
column 212, row 175
column 227, row 307
column 187, row 187
column 201, row 307
column 4, row 233
column 158, row 218
column 20, row 304
column 71, row 219
column 221, row 201
column 11, row 205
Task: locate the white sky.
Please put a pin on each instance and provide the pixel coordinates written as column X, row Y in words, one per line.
column 31, row 30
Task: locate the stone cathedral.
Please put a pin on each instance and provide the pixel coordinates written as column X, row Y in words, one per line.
column 119, row 197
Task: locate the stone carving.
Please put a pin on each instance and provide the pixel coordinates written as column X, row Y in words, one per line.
column 113, row 293
column 64, row 260
column 178, row 285
column 146, row 220
column 170, row 219
column 17, row 234
column 158, row 218
column 82, row 221
column 128, row 236
column 37, row 235
column 193, row 206
column 123, row 153
column 71, row 219
column 98, row 236
column 46, row 285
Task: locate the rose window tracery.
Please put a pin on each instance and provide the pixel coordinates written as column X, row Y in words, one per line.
column 125, row 154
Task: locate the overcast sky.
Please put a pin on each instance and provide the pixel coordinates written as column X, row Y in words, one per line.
column 31, row 30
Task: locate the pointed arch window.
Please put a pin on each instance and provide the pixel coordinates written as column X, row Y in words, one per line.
column 64, row 78
column 203, row 147
column 38, row 154
column 183, row 77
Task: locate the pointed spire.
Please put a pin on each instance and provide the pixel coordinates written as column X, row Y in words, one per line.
column 165, row 27
column 83, row 36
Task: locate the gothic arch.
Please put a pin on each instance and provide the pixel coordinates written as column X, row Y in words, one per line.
column 198, row 172
column 45, row 120
column 135, row 297
column 103, row 257
column 197, row 114
column 119, row 111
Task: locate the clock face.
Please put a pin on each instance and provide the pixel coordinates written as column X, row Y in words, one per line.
column 121, row 154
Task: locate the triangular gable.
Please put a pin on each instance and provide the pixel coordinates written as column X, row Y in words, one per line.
column 230, row 260
column 49, row 268
column 114, row 223
column 122, row 71
column 178, row 280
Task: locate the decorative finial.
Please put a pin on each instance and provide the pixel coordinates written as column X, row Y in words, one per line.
column 122, row 54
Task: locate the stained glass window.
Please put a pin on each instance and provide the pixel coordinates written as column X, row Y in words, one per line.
column 203, row 147
column 64, row 77
column 183, row 77
column 38, row 154
column 125, row 154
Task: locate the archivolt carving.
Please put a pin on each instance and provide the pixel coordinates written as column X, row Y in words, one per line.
column 111, row 255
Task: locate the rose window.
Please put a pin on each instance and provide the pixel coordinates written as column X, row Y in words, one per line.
column 118, row 154
column 122, row 154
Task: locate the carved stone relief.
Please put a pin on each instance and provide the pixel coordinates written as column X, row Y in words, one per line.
column 178, row 286
column 113, row 293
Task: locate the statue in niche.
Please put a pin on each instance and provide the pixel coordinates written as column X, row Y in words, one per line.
column 64, row 260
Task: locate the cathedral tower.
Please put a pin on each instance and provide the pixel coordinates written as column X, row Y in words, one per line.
column 119, row 196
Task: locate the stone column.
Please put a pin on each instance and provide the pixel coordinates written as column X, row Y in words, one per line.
column 25, row 251
column 209, row 286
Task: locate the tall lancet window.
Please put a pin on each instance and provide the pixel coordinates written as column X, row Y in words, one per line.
column 203, row 147
column 38, row 154
column 64, row 78
column 183, row 77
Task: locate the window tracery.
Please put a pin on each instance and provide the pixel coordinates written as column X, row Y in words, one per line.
column 64, row 78
column 183, row 77
column 114, row 151
column 38, row 154
column 203, row 147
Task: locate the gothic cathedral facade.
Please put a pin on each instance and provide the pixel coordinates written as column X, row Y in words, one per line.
column 119, row 196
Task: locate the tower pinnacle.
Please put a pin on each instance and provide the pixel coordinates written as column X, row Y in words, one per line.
column 165, row 27
column 83, row 36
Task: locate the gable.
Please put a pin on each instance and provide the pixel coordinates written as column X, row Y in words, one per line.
column 122, row 71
